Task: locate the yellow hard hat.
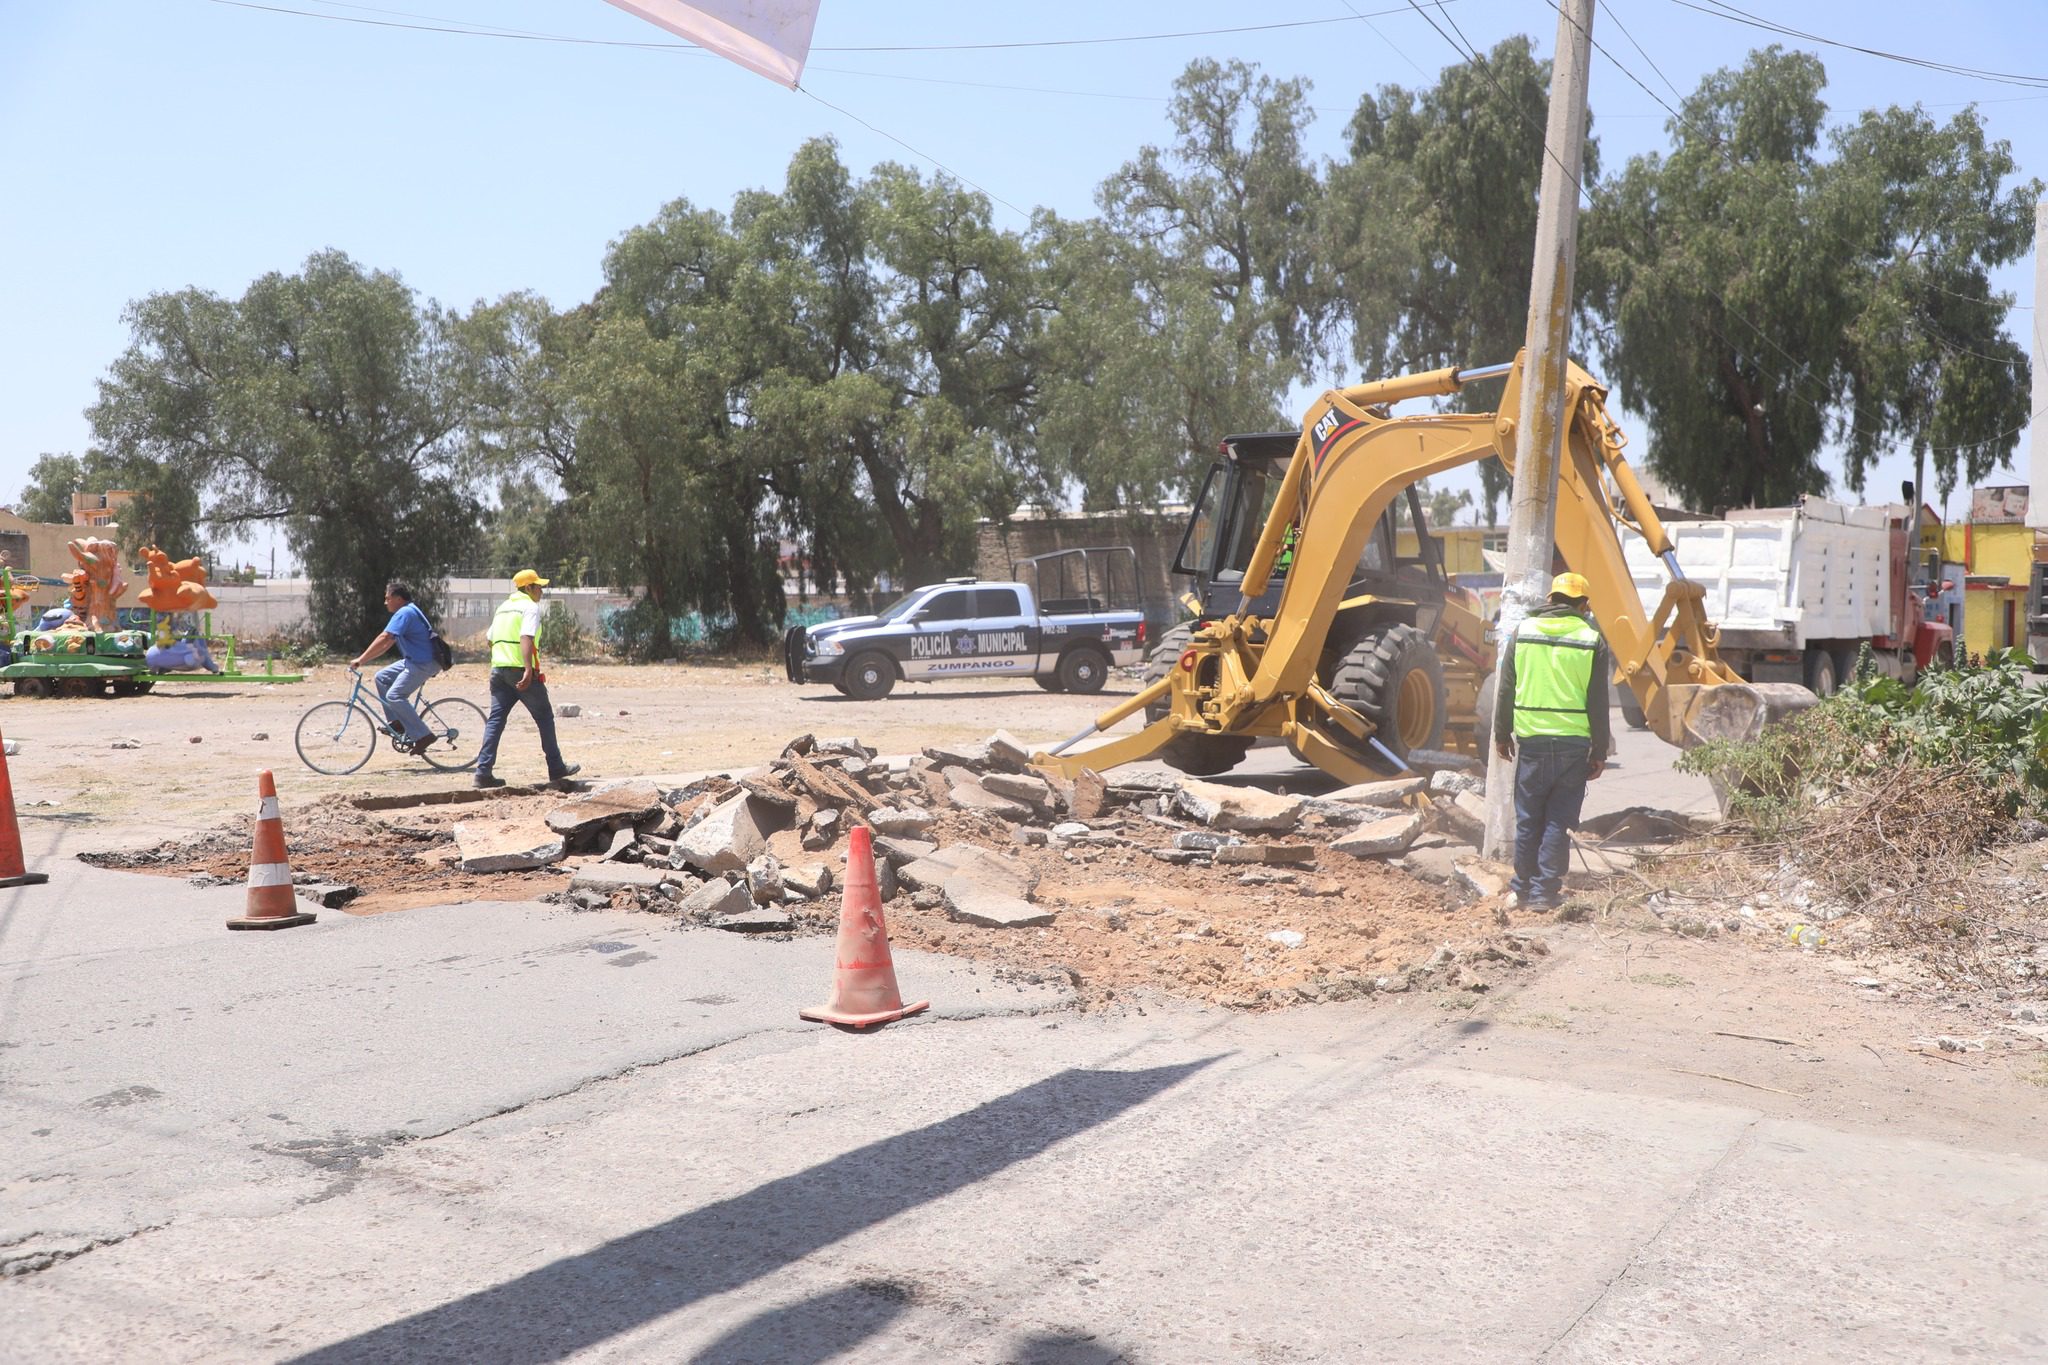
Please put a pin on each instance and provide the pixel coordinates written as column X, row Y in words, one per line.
column 1571, row 585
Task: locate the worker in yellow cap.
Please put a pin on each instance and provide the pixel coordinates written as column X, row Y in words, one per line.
column 1550, row 710
column 516, row 679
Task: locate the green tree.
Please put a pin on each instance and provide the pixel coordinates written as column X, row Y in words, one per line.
column 1235, row 201
column 1431, row 223
column 1766, row 301
column 327, row 401
column 52, row 479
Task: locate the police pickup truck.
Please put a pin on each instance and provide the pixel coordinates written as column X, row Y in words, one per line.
column 967, row 627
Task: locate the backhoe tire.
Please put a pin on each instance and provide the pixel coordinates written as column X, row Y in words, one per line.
column 1394, row 679
column 1631, row 709
column 1195, row 755
column 869, row 677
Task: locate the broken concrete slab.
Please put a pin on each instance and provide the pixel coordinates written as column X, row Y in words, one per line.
column 328, row 895
column 1389, row 793
column 567, row 710
column 715, row 897
column 507, row 845
column 971, row 900
column 1450, row 816
column 1385, row 838
column 764, row 879
column 1449, row 782
column 1439, row 760
column 830, row 786
column 1018, row 787
column 810, row 881
column 1240, row 808
column 821, row 830
column 846, row 745
column 771, row 794
column 989, row 867
column 590, row 816
column 1482, row 877
column 1090, row 795
column 606, row 878
column 967, row 793
column 890, row 849
column 1274, row 855
column 1006, row 751
column 907, row 821
column 972, row 756
column 732, row 834
column 759, row 919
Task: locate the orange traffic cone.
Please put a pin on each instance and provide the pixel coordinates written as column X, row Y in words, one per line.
column 864, row 987
column 13, row 872
column 272, row 902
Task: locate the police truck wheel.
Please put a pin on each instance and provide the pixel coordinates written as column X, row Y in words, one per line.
column 1083, row 670
column 1195, row 755
column 869, row 677
column 1393, row 678
column 1049, row 681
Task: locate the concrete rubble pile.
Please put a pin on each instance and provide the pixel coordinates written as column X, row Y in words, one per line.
column 701, row 852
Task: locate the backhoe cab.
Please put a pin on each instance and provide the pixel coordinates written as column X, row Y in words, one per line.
column 1314, row 629
column 1379, row 655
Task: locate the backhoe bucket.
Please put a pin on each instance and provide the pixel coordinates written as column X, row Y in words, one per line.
column 1742, row 711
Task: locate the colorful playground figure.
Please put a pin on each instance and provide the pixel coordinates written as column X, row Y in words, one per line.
column 181, row 656
column 97, row 583
column 175, row 586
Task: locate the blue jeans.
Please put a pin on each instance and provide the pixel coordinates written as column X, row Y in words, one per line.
column 395, row 683
column 1550, row 787
column 505, row 694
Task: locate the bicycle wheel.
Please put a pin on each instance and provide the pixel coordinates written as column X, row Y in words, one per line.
column 458, row 727
column 336, row 737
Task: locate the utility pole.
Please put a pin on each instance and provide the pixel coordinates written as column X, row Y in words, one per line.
column 2037, row 440
column 1539, row 419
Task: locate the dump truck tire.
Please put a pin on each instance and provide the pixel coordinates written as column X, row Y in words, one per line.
column 1195, row 755
column 1394, row 679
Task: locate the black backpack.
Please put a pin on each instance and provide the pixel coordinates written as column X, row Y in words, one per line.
column 444, row 657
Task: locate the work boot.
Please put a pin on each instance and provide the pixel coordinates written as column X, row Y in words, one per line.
column 486, row 780
column 568, row 771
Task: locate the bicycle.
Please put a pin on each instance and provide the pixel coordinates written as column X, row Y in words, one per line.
column 338, row 737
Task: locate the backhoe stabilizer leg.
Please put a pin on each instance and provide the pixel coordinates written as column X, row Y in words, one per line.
column 1126, row 749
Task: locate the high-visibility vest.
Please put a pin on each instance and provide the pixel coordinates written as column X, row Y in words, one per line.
column 505, row 632
column 1554, row 658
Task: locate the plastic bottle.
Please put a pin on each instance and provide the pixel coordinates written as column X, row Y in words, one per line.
column 1806, row 936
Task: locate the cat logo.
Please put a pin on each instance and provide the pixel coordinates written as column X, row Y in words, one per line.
column 1323, row 428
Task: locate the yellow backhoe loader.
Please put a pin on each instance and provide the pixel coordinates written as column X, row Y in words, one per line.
column 1340, row 661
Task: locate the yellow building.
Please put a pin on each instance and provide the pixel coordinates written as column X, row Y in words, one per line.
column 1996, row 550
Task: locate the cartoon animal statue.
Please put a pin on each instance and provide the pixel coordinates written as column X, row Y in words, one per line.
column 175, row 586
column 181, row 656
column 75, row 608
column 99, row 567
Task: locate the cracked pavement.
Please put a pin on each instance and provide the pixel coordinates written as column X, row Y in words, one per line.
column 518, row 1133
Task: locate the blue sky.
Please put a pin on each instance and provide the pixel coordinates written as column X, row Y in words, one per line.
column 155, row 144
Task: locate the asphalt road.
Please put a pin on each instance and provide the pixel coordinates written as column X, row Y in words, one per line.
column 514, row 1133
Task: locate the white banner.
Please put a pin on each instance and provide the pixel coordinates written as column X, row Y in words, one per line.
column 769, row 37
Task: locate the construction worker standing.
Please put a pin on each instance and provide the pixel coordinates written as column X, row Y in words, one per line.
column 1551, row 709
column 516, row 678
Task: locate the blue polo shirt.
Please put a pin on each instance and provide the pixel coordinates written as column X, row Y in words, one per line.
column 409, row 627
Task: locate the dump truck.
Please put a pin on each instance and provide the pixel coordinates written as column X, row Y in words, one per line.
column 1349, row 680
column 1797, row 592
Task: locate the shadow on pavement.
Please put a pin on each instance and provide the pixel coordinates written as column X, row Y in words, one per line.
column 814, row 1331
column 579, row 1301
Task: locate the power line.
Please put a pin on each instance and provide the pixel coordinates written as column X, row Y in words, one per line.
column 883, row 132
column 436, row 24
column 1720, row 9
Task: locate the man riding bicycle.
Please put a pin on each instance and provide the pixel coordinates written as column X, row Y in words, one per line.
column 409, row 629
